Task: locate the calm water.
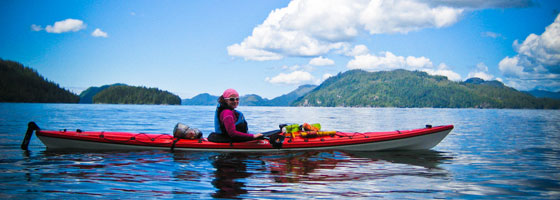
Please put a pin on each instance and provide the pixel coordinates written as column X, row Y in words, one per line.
column 508, row 154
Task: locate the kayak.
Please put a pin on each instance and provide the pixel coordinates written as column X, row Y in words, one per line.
column 416, row 139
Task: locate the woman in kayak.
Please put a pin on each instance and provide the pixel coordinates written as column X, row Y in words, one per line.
column 230, row 124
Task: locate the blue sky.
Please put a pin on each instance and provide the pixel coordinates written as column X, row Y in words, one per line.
column 271, row 47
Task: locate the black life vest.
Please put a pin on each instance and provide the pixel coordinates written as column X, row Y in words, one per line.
column 240, row 124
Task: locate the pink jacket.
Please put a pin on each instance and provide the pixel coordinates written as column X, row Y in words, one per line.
column 228, row 118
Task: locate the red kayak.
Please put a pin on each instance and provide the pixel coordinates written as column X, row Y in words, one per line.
column 417, row 139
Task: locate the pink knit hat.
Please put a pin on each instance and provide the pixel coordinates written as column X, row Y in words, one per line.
column 230, row 92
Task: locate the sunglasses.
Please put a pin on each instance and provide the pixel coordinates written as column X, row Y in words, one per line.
column 233, row 99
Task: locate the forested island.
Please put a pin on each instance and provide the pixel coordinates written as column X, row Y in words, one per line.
column 124, row 94
column 87, row 95
column 23, row 84
column 402, row 88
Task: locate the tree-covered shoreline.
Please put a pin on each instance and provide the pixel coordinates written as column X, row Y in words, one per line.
column 23, row 84
column 124, row 94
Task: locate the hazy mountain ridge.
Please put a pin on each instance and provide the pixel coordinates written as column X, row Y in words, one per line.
column 252, row 99
column 544, row 94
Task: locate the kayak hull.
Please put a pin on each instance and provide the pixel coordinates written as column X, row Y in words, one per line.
column 417, row 139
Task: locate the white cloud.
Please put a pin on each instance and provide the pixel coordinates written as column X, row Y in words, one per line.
column 293, row 78
column 481, row 72
column 482, row 75
column 544, row 49
column 405, row 16
column 443, row 70
column 418, row 62
column 298, row 68
column 241, row 50
column 516, row 76
column 99, row 33
column 35, row 27
column 320, row 61
column 66, row 25
column 387, row 61
column 315, row 27
column 537, row 64
column 326, row 76
column 481, row 4
column 291, row 68
column 511, row 68
column 491, row 35
column 292, row 31
column 358, row 50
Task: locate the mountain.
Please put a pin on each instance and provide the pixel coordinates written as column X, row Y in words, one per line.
column 544, row 94
column 23, row 84
column 287, row 99
column 123, row 94
column 201, row 99
column 402, row 88
column 252, row 99
column 480, row 81
column 206, row 99
column 86, row 96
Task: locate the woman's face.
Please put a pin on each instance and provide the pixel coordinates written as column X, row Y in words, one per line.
column 232, row 101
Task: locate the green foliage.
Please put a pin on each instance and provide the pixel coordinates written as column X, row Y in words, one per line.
column 87, row 95
column 23, row 84
column 123, row 94
column 402, row 88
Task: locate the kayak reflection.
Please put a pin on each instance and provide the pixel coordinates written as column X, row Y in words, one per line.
column 234, row 171
column 230, row 172
column 330, row 166
column 227, row 175
column 429, row 159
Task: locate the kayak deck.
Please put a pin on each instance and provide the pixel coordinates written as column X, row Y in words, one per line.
column 416, row 139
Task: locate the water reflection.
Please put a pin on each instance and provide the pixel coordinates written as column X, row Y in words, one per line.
column 103, row 166
column 429, row 159
column 503, row 154
column 188, row 165
column 239, row 174
column 231, row 175
column 231, row 169
column 228, row 175
column 94, row 174
column 331, row 166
